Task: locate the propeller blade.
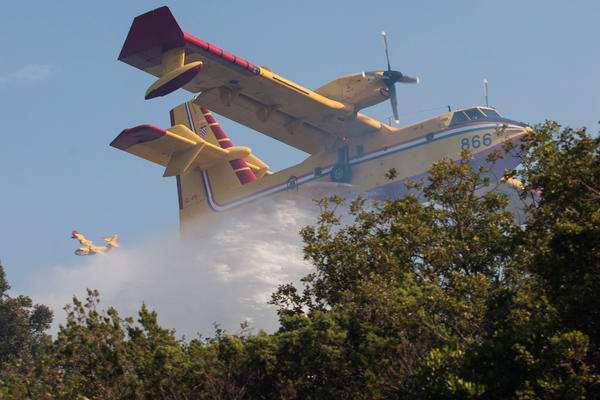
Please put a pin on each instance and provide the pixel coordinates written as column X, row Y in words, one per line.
column 390, row 78
column 394, row 100
column 385, row 46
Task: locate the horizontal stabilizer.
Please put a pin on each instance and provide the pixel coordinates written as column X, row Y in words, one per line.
column 237, row 152
column 111, row 242
column 177, row 148
column 259, row 168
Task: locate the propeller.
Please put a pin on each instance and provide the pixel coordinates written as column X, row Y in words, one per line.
column 390, row 78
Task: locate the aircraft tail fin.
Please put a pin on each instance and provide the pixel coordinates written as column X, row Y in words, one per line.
column 247, row 168
column 198, row 152
column 112, row 242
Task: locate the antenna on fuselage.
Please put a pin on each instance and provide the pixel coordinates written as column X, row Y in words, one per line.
column 485, row 91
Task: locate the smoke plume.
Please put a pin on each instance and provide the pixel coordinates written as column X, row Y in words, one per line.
column 224, row 273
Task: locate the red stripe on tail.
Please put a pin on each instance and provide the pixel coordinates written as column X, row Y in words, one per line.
column 245, row 175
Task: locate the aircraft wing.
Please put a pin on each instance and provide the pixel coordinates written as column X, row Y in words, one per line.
column 177, row 148
column 246, row 93
column 81, row 238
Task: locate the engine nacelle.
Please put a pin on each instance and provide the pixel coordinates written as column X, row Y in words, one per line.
column 361, row 90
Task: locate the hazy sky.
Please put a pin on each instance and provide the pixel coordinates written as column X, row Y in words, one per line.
column 64, row 97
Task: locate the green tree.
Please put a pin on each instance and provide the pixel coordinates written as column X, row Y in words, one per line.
column 446, row 296
column 23, row 345
column 22, row 324
column 405, row 278
column 91, row 352
column 563, row 230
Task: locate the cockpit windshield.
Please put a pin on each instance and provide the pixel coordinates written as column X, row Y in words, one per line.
column 474, row 114
column 459, row 117
column 490, row 113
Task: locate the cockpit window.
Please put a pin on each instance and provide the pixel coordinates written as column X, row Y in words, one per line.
column 491, row 113
column 459, row 117
column 474, row 114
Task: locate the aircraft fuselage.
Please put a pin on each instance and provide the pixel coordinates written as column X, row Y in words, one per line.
column 359, row 165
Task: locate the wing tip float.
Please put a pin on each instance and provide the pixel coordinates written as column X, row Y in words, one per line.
column 155, row 39
column 173, row 80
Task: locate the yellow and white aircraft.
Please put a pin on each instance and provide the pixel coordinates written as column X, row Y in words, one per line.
column 90, row 249
column 345, row 146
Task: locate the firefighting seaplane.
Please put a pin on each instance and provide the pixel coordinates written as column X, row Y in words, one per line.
column 345, row 147
column 89, row 249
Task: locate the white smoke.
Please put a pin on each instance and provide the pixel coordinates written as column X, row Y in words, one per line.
column 225, row 273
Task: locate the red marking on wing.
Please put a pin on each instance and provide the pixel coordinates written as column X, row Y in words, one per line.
column 135, row 135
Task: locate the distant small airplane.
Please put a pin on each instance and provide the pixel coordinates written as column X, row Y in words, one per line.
column 90, row 249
